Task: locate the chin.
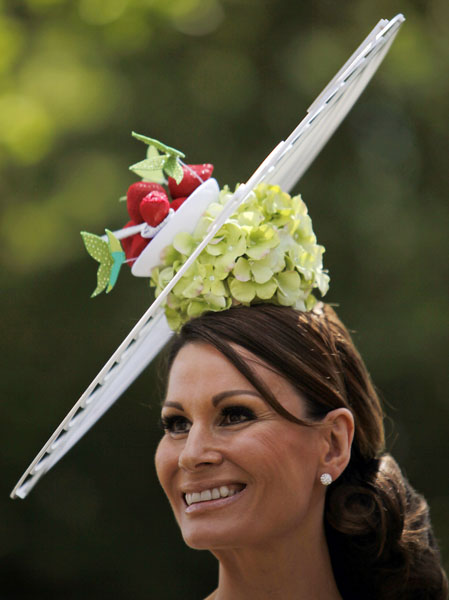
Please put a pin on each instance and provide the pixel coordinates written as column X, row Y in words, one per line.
column 210, row 537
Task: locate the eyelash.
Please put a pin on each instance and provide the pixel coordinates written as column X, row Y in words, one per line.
column 173, row 423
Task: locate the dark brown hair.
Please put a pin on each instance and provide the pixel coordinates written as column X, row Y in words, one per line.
column 378, row 528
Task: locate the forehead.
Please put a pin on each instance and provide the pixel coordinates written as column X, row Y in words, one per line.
column 200, row 371
column 199, row 364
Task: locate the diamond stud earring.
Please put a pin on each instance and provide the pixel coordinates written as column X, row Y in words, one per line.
column 326, row 479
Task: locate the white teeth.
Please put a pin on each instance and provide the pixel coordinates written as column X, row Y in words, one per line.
column 213, row 494
column 206, row 495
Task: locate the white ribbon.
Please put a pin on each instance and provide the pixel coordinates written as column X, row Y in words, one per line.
column 144, row 229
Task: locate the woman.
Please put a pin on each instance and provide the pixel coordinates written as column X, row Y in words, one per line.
column 265, row 407
column 273, row 453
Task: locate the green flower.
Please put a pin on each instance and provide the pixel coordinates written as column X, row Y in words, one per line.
column 266, row 252
column 227, row 246
column 289, row 288
column 201, row 279
column 160, row 278
column 260, row 241
column 247, row 291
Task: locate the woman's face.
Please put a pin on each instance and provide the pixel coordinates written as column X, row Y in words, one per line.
column 235, row 472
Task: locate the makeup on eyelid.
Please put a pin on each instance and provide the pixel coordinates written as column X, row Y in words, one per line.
column 230, row 415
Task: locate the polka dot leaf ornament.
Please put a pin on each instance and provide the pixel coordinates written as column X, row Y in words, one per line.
column 109, row 254
column 168, row 162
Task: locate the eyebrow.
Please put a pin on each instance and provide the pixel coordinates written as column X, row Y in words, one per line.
column 215, row 399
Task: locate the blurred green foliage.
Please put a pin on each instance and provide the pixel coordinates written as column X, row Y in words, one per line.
column 224, row 80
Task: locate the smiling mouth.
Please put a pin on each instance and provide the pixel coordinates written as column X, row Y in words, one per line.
column 216, row 493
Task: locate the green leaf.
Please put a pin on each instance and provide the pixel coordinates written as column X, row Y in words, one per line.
column 159, row 145
column 157, row 175
column 96, row 247
column 172, row 168
column 103, row 275
column 100, row 251
column 147, row 166
column 114, row 244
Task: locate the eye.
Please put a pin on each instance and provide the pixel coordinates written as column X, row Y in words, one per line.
column 232, row 415
column 175, row 424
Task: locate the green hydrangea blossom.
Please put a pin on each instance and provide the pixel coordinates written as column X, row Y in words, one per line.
column 266, row 252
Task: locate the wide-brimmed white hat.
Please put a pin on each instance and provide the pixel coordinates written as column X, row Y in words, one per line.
column 284, row 166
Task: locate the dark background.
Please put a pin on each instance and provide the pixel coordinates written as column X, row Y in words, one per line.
column 223, row 80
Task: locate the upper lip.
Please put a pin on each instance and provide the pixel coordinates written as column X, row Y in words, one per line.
column 208, row 485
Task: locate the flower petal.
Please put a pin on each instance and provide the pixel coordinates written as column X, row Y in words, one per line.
column 242, row 270
column 265, row 291
column 184, row 243
column 261, row 273
column 243, row 291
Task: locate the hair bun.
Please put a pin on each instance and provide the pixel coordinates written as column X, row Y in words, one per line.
column 380, row 537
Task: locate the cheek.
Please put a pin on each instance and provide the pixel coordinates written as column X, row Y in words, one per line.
column 166, row 462
column 286, row 455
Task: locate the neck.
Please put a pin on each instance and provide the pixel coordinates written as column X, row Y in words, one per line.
column 281, row 570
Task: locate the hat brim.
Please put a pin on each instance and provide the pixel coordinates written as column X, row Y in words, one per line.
column 284, row 166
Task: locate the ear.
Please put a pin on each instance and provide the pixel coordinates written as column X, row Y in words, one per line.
column 338, row 433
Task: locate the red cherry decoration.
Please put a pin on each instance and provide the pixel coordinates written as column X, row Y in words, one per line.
column 154, row 208
column 190, row 181
column 136, row 192
column 127, row 242
column 133, row 245
column 176, row 203
column 138, row 245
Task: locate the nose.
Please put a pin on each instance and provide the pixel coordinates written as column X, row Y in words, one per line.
column 200, row 450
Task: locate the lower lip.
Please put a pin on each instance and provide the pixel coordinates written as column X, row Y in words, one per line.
column 211, row 504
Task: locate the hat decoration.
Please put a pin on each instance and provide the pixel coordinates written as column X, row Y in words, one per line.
column 206, row 249
column 265, row 252
column 149, row 207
